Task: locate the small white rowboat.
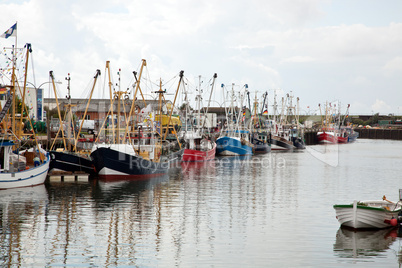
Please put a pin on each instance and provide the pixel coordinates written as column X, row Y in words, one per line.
column 375, row 214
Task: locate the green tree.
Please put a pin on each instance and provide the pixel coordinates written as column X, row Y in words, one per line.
column 54, row 113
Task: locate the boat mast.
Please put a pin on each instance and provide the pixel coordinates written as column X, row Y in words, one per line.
column 86, row 109
column 275, row 105
column 187, row 109
column 61, row 128
column 226, row 110
column 137, row 87
column 171, row 111
column 118, row 98
column 198, row 98
column 14, row 48
column 241, row 98
column 262, row 107
column 70, row 115
column 23, row 106
column 19, row 129
column 282, row 119
column 256, row 117
column 290, row 109
column 232, row 109
column 160, row 95
column 210, row 96
column 346, row 115
column 111, row 98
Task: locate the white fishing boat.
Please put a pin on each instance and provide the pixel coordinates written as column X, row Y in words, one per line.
column 370, row 214
column 22, row 161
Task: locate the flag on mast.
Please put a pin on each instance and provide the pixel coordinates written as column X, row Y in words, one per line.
column 10, row 32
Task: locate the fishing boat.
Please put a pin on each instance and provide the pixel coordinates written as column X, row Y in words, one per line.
column 332, row 136
column 352, row 134
column 142, row 151
column 17, row 169
column 260, row 142
column 346, row 126
column 370, row 214
column 285, row 131
column 231, row 145
column 198, row 146
column 234, row 139
column 74, row 155
column 21, row 164
column 259, row 136
column 332, row 131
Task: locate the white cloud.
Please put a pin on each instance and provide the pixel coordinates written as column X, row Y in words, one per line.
column 305, row 46
column 358, row 107
column 394, row 66
column 380, row 107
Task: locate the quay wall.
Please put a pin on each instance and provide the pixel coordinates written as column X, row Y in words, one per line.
column 379, row 133
column 310, row 136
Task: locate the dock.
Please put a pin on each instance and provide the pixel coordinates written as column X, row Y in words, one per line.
column 65, row 176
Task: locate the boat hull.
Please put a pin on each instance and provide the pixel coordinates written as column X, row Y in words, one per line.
column 229, row 146
column 261, row 148
column 116, row 165
column 190, row 155
column 71, row 162
column 278, row 143
column 330, row 137
column 353, row 137
column 29, row 177
column 326, row 137
column 358, row 216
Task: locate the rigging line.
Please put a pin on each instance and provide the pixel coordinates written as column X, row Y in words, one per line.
column 155, row 84
column 170, row 80
column 58, row 92
column 148, row 82
column 87, row 91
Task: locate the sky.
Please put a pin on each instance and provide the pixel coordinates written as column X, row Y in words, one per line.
column 349, row 51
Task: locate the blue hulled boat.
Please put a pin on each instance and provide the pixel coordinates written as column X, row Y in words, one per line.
column 234, row 139
column 233, row 146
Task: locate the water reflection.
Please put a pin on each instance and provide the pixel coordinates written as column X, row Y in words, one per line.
column 21, row 214
column 271, row 210
column 107, row 193
column 199, row 169
column 107, row 223
column 363, row 245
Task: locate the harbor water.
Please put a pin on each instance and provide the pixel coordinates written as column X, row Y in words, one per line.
column 272, row 210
